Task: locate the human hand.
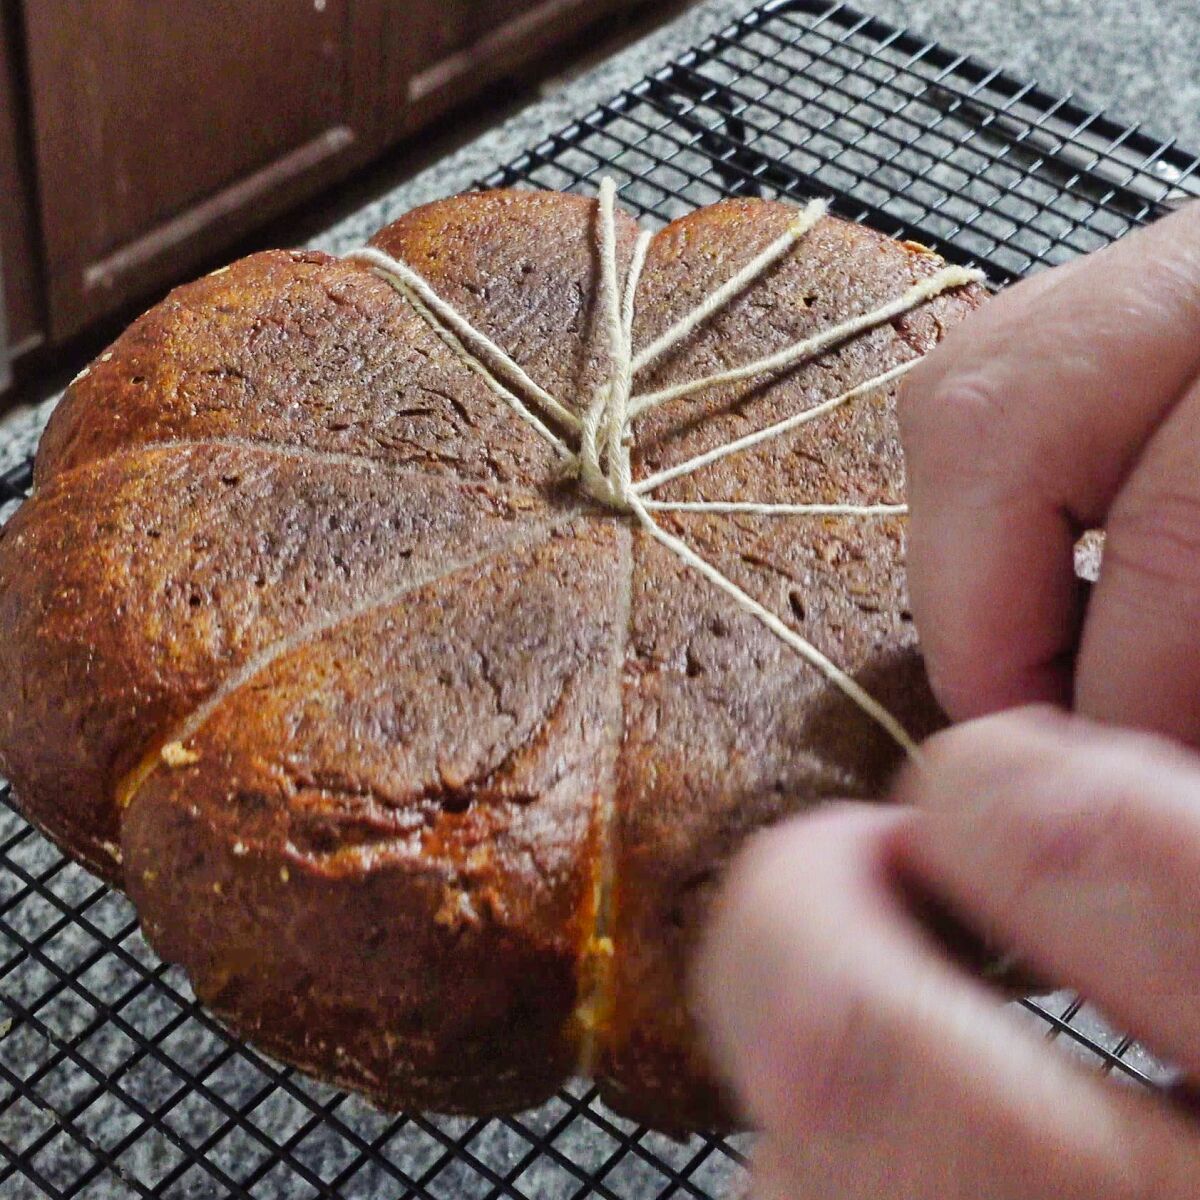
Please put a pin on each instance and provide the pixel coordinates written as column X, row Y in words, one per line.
column 875, row 1067
column 1070, row 401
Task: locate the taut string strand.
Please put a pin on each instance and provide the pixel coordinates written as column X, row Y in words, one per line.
column 602, row 460
column 802, row 646
column 812, row 212
column 395, row 273
column 925, row 289
column 761, row 435
column 608, row 405
column 782, row 510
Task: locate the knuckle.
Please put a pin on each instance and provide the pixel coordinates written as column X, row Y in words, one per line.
column 931, row 402
column 1171, row 268
column 1053, row 797
column 1085, row 839
column 1059, row 806
column 1100, row 813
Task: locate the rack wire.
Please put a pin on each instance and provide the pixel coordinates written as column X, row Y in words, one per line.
column 114, row 1083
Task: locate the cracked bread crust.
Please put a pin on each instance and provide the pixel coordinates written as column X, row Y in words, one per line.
column 419, row 687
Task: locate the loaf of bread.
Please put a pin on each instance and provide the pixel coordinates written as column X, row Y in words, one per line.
column 420, row 760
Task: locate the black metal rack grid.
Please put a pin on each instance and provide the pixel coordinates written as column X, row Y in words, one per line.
column 114, row 1083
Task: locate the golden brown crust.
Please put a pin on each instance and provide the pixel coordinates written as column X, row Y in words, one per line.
column 411, row 686
column 296, row 349
column 521, row 267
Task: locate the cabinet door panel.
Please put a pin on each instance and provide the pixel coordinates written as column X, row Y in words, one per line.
column 456, row 24
column 162, row 129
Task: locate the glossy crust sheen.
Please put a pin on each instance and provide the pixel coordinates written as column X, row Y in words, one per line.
column 311, row 648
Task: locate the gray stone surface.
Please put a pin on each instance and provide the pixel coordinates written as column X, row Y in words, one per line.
column 1136, row 59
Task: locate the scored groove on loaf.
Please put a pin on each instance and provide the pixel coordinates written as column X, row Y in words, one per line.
column 131, row 784
column 596, row 955
column 311, row 454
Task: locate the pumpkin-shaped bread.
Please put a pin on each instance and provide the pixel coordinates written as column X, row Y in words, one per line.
column 419, row 755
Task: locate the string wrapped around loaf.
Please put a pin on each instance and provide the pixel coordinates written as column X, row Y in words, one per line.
column 415, row 635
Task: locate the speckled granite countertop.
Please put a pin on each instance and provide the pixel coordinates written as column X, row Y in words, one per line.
column 1136, row 59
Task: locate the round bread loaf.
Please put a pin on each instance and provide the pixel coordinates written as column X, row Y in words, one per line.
column 423, row 763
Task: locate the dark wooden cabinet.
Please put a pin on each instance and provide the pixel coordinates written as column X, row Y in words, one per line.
column 138, row 137
column 162, row 128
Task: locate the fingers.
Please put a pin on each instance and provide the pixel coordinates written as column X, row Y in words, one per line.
column 1078, row 848
column 876, row 1070
column 1139, row 661
column 1018, row 432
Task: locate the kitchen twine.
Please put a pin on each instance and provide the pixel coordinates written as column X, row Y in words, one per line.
column 602, row 460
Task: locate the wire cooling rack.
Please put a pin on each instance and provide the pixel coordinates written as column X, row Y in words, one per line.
column 114, row 1083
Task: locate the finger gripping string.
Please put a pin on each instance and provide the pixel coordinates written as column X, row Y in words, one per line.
column 601, row 455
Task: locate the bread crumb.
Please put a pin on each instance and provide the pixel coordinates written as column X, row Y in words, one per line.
column 175, row 754
column 602, row 947
column 106, row 356
column 239, row 849
column 82, row 374
column 284, row 874
column 217, row 887
column 456, row 910
column 149, row 875
column 218, row 271
column 113, row 851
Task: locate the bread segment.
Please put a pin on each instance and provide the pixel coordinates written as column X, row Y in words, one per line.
column 521, row 267
column 836, row 272
column 293, row 349
column 376, row 861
